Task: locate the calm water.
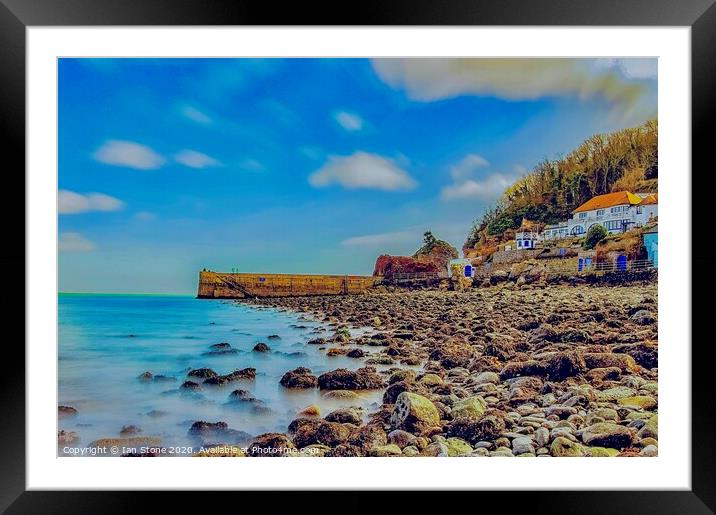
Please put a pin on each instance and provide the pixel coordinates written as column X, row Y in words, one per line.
column 106, row 341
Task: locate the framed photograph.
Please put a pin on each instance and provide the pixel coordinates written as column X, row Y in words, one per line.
column 400, row 248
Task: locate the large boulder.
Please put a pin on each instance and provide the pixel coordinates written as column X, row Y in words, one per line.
column 414, row 413
column 471, row 407
column 365, row 378
column 523, row 368
column 565, row 364
column 300, row 377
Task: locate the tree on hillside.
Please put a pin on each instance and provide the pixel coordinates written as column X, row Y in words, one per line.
column 595, row 234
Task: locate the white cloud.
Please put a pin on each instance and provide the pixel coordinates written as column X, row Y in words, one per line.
column 467, row 186
column 144, row 216
column 362, row 170
column 129, row 154
column 195, row 115
column 488, row 189
column 380, row 240
column 467, row 166
column 349, row 121
column 428, row 79
column 194, row 159
column 635, row 68
column 251, row 165
column 70, row 202
column 74, row 242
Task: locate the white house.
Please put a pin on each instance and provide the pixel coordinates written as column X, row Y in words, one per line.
column 468, row 269
column 617, row 212
column 555, row 231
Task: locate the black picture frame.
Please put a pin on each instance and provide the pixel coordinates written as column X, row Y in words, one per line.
column 17, row 15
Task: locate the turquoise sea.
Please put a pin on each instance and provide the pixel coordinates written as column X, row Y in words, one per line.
column 106, row 341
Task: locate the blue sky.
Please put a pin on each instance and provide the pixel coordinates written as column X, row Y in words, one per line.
column 167, row 166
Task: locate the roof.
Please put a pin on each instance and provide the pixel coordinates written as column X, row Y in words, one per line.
column 617, row 198
column 651, row 199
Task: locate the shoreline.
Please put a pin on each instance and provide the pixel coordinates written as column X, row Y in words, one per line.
column 540, row 371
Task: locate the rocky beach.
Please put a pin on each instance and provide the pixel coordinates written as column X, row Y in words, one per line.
column 501, row 371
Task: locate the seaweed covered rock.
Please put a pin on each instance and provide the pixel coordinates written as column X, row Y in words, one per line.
column 365, row 378
column 300, row 377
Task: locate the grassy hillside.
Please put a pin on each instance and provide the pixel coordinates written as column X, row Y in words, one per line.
column 623, row 160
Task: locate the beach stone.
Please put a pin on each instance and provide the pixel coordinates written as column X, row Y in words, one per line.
column 604, row 374
column 270, row 445
column 401, row 438
column 237, row 375
column 523, row 368
column 411, row 451
column 471, row 430
column 486, row 378
column 129, row 430
column 522, row 445
column 345, row 415
column 564, row 365
column 67, row 437
column 365, row 378
column 614, row 394
column 650, row 429
column 261, row 347
column 458, row 447
column 649, row 451
column 607, row 434
column 333, row 433
column 601, row 452
column 300, row 377
column 472, row 407
column 190, row 385
column 213, row 430
column 386, row 451
column 310, row 411
column 356, row 353
column 436, row 449
column 414, row 413
column 368, row 436
column 66, row 411
column 607, row 360
column 564, row 448
column 639, row 401
column 541, row 437
column 431, row 380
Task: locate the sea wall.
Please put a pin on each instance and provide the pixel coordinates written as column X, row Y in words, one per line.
column 216, row 285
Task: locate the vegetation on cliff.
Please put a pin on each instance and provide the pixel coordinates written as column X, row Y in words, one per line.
column 623, row 160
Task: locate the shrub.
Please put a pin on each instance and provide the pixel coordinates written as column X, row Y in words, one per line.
column 595, row 234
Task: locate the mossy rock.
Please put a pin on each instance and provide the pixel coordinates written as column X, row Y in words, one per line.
column 614, row 394
column 414, row 413
column 646, row 402
column 565, row 448
column 471, row 407
column 602, row 452
column 431, row 380
column 383, row 451
column 650, row 429
column 458, row 447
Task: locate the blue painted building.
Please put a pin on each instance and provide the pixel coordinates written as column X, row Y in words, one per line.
column 651, row 243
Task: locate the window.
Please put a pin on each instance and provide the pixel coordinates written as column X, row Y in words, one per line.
column 639, row 210
column 582, row 216
column 618, row 209
column 519, row 243
column 600, row 212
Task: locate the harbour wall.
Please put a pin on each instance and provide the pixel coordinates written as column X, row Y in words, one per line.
column 217, row 285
